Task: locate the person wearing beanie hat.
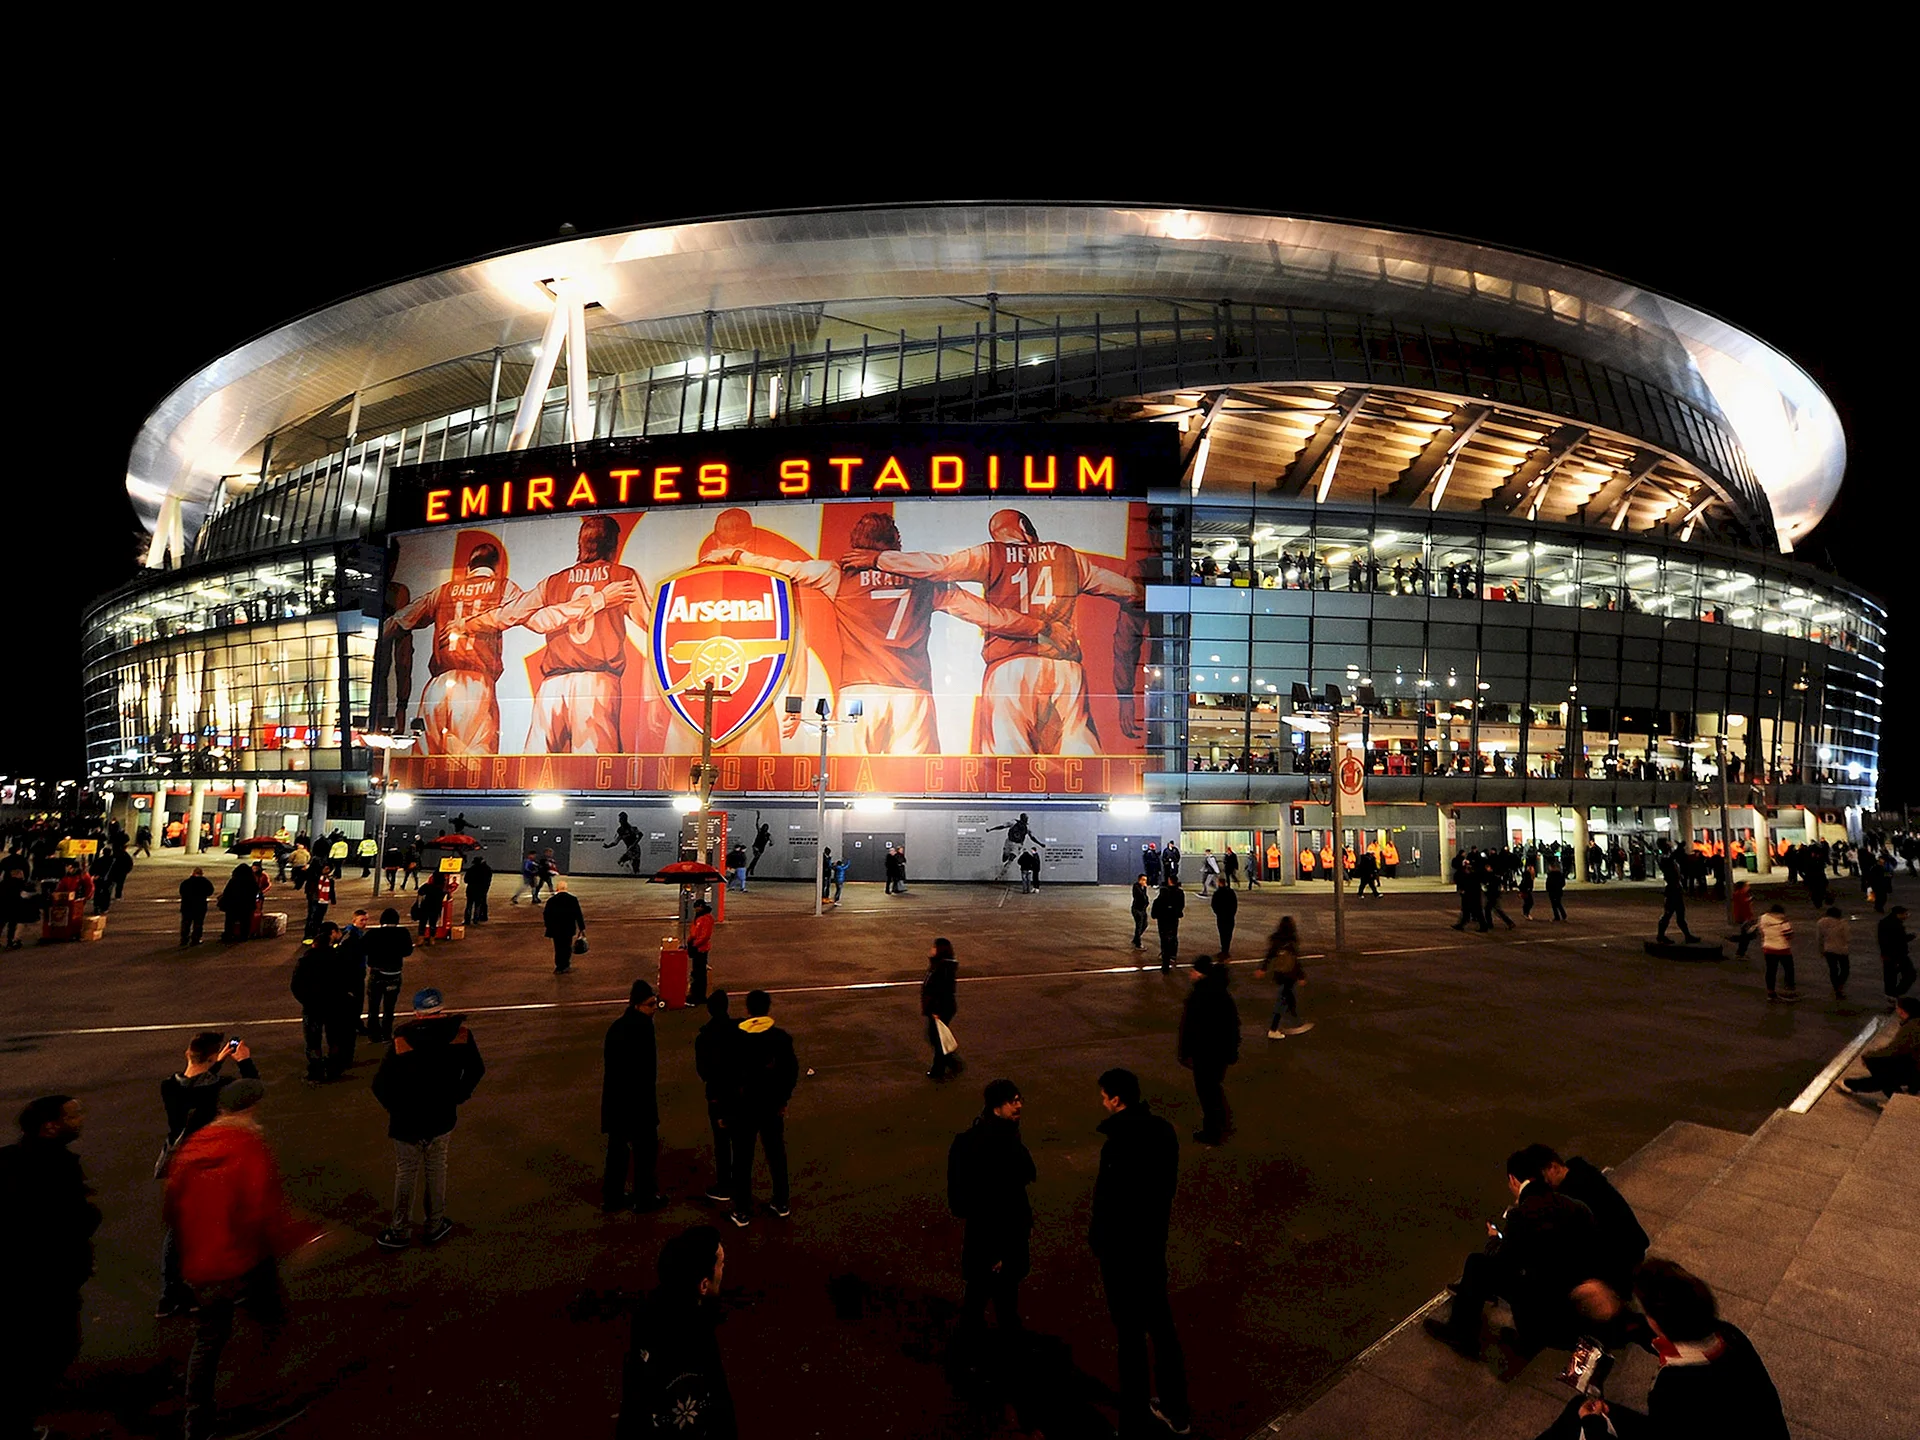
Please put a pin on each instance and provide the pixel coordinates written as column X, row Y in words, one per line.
column 430, row 1071
column 1209, row 1043
column 712, row 1059
column 629, row 1106
column 988, row 1171
column 231, row 1222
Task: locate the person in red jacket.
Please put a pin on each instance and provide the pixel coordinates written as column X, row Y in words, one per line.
column 699, row 946
column 226, row 1210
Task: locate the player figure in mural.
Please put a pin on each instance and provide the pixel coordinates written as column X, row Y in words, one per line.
column 1019, row 836
column 884, row 620
column 459, row 705
column 625, row 834
column 584, row 611
column 1033, row 699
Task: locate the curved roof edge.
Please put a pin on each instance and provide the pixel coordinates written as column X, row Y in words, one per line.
column 199, row 431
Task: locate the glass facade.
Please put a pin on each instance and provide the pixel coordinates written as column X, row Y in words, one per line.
column 1505, row 651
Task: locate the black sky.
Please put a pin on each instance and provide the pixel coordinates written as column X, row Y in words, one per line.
column 175, row 263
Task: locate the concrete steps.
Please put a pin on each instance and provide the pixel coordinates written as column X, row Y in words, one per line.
column 1807, row 1230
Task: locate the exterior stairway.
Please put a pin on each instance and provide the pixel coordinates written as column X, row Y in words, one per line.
column 1809, row 1233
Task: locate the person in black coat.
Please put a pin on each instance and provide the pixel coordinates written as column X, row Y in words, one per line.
column 191, row 1098
column 673, row 1382
column 988, row 1172
column 1711, row 1379
column 479, row 878
column 237, row 902
column 1142, row 899
column 938, row 1001
column 195, row 891
column 1209, row 1043
column 564, row 922
column 47, row 1209
column 761, row 1077
column 629, row 1105
column 1226, row 905
column 1132, row 1208
column 1168, row 906
column 327, row 982
column 430, row 905
column 430, row 1071
column 1547, row 1247
column 1623, row 1242
column 712, row 1062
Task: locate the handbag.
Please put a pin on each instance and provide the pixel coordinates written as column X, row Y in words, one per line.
column 580, row 945
column 948, row 1045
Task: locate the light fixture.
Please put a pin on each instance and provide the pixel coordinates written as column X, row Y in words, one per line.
column 547, row 802
column 874, row 804
column 396, row 800
column 686, row 804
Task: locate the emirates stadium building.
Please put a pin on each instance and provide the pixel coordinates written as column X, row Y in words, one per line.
column 1123, row 519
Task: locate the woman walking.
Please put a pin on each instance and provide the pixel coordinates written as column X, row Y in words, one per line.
column 1283, row 959
column 1141, row 901
column 1526, row 892
column 938, row 1005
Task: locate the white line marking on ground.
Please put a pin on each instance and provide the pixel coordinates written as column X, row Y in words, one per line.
column 1817, row 1086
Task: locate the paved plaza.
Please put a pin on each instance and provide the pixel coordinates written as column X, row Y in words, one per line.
column 1367, row 1154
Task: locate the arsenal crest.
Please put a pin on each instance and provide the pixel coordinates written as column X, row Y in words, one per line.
column 726, row 624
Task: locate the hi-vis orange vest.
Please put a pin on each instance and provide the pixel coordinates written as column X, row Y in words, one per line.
column 1389, row 853
column 1306, row 862
column 1273, row 857
column 1347, row 851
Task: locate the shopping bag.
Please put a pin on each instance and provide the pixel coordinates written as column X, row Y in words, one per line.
column 948, row 1045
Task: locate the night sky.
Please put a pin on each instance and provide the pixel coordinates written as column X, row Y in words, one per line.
column 177, row 262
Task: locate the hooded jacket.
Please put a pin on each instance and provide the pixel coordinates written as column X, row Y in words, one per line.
column 1210, row 1023
column 713, row 1057
column 225, row 1206
column 763, row 1069
column 1169, row 905
column 630, row 1079
column 193, row 1100
column 430, row 1070
column 326, row 979
column 1133, row 1193
column 387, row 947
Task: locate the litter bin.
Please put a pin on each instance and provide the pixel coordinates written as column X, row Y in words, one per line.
column 672, row 988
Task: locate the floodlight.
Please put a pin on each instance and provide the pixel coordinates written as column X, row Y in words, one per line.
column 855, row 709
column 793, row 703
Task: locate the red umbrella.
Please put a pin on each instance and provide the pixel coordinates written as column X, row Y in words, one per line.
column 685, row 872
column 259, row 842
column 452, row 842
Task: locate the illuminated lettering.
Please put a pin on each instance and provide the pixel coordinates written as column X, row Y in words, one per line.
column 1094, row 476
column 796, row 477
column 473, row 500
column 1036, row 774
column 802, row 773
column 892, row 474
column 437, row 506
column 720, row 611
column 713, row 486
column 540, row 492
column 969, row 775
column 602, row 766
column 763, row 772
column 845, row 464
column 1072, row 782
column 730, row 772
column 625, row 477
column 633, row 772
column 936, row 776
column 1053, row 468
column 863, row 777
column 500, row 773
column 1003, row 775
column 663, row 486
column 582, row 492
column 506, row 498
column 993, row 472
column 949, row 472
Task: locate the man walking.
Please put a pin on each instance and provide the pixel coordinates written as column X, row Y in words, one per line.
column 673, row 1382
column 225, row 1204
column 1676, row 898
column 386, row 947
column 1209, row 1043
column 629, row 1106
column 529, row 880
column 564, row 923
column 1896, row 959
column 195, row 893
column 191, row 1099
column 1556, row 889
column 1132, row 1204
column 713, row 1063
column 988, row 1172
column 47, row 1209
column 1168, row 906
column 764, row 1071
column 429, row 1072
column 1226, row 905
